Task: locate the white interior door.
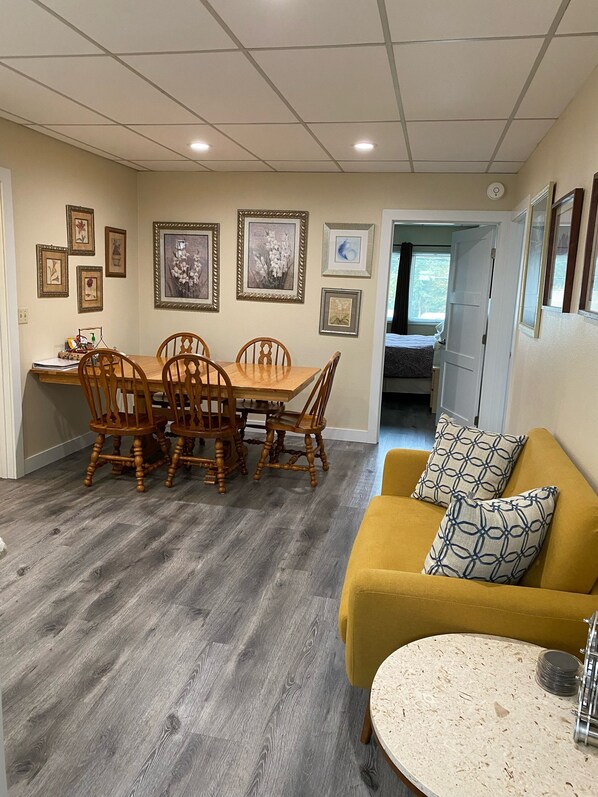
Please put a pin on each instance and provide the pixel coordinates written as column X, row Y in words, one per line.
column 462, row 355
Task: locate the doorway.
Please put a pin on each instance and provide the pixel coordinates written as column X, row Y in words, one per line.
column 11, row 443
column 500, row 316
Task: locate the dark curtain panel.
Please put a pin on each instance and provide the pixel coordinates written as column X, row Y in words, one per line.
column 399, row 319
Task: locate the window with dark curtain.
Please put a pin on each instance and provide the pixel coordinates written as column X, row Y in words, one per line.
column 400, row 318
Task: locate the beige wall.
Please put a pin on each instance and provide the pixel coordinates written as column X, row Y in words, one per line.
column 337, row 198
column 46, row 176
column 554, row 376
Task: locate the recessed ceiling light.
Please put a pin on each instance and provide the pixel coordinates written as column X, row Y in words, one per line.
column 200, row 146
column 364, row 146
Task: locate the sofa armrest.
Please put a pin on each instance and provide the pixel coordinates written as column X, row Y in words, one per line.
column 389, row 608
column 402, row 469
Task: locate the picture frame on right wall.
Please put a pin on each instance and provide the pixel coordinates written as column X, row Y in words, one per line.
column 534, row 262
column 565, row 222
column 339, row 312
column 588, row 302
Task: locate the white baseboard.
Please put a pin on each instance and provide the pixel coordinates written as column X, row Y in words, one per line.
column 60, row 451
column 350, row 435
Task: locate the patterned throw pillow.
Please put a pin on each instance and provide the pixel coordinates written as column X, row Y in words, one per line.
column 467, row 460
column 493, row 540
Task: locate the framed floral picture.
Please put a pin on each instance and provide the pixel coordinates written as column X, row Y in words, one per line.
column 534, row 264
column 588, row 301
column 347, row 250
column 271, row 248
column 115, row 252
column 90, row 289
column 565, row 223
column 52, row 271
column 339, row 312
column 80, row 230
column 186, row 265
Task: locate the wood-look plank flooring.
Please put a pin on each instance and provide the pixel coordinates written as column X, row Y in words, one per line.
column 180, row 643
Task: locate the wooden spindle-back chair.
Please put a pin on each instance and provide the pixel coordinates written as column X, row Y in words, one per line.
column 310, row 421
column 120, row 404
column 182, row 343
column 200, row 397
column 261, row 351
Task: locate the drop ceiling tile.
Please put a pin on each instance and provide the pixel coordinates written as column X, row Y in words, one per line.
column 340, row 84
column 304, row 166
column 522, row 138
column 26, row 98
column 27, row 29
column 171, row 166
column 278, row 142
column 145, row 25
column 505, row 167
column 135, row 166
column 375, row 166
column 263, row 23
column 339, row 138
column 446, row 141
column 220, row 87
column 568, row 62
column 580, row 17
column 107, row 86
column 122, row 143
column 450, row 166
column 12, row 118
column 463, row 79
column 468, row 19
column 47, row 131
column 179, row 137
column 238, row 166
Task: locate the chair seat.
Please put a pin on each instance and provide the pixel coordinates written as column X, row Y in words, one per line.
column 289, row 421
column 144, row 425
column 183, row 430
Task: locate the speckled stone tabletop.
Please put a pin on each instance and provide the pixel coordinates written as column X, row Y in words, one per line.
column 461, row 715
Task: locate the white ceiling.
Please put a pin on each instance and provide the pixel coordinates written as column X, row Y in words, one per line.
column 291, row 85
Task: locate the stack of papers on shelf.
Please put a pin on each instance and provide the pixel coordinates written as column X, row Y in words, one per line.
column 56, row 363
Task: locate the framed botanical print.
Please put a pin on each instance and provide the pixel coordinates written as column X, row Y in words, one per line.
column 80, row 230
column 588, row 303
column 565, row 222
column 52, row 271
column 271, row 248
column 186, row 265
column 347, row 250
column 339, row 312
column 115, row 252
column 534, row 263
column 90, row 289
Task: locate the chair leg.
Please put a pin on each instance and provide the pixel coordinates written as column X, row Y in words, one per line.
column 117, row 467
column 264, row 455
column 240, row 453
column 174, row 462
column 93, row 462
column 278, row 448
column 244, row 416
column 323, row 457
column 309, row 450
column 366, row 729
column 164, row 444
column 138, row 456
column 219, row 448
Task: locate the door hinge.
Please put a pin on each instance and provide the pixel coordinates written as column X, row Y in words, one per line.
column 476, row 420
column 493, row 253
column 484, row 338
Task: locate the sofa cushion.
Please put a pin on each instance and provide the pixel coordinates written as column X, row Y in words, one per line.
column 395, row 534
column 467, row 460
column 494, row 540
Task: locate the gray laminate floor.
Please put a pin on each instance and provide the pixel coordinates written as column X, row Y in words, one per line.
column 181, row 643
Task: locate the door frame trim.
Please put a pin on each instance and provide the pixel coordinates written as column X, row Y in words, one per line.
column 502, row 309
column 12, row 462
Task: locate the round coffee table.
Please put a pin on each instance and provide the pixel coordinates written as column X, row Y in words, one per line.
column 461, row 715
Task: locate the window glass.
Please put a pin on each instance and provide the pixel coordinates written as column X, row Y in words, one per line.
column 428, row 285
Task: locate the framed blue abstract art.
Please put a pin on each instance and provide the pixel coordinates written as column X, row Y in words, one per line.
column 347, row 250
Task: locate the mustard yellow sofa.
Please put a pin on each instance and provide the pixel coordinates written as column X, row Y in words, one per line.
column 387, row 602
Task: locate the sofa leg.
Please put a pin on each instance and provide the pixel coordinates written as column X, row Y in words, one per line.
column 366, row 729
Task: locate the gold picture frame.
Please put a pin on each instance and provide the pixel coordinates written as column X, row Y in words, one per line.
column 80, row 230
column 90, row 289
column 52, row 271
column 115, row 242
column 339, row 311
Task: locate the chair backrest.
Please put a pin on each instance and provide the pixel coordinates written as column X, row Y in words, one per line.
column 116, row 390
column 182, row 343
column 315, row 406
column 199, row 393
column 264, row 351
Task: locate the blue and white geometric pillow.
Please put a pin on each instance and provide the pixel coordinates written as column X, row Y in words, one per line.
column 494, row 540
column 467, row 460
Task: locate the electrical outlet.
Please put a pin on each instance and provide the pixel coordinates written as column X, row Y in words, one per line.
column 23, row 315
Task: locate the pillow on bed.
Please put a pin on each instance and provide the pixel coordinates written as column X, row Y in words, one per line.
column 467, row 460
column 493, row 540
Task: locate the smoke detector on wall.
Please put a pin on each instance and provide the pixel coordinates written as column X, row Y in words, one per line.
column 495, row 190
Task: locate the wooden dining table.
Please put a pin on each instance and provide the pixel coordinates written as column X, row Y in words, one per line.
column 249, row 381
